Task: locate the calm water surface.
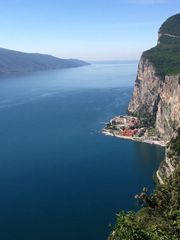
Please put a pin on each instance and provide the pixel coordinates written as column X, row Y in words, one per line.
column 60, row 179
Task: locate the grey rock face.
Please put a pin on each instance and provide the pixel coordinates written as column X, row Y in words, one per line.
column 168, row 113
column 154, row 95
column 172, row 160
column 146, row 91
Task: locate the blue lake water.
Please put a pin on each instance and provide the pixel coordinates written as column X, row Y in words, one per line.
column 60, row 179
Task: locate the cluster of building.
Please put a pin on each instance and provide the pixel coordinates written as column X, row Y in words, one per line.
column 126, row 126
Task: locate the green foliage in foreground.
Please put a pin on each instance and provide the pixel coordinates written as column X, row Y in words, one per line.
column 158, row 219
column 159, row 216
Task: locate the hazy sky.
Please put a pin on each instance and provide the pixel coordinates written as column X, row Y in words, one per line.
column 86, row 29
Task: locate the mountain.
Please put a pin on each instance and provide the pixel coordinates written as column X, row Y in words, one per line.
column 157, row 86
column 157, row 89
column 156, row 97
column 19, row 62
column 169, row 32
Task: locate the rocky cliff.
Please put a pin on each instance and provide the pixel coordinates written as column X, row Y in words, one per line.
column 159, row 96
column 147, row 90
column 172, row 159
column 168, row 110
column 157, row 88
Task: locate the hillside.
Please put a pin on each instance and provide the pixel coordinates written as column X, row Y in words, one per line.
column 17, row 62
column 157, row 86
column 159, row 216
column 169, row 32
column 156, row 97
column 166, row 55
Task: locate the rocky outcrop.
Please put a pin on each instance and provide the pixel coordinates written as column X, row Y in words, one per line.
column 147, row 90
column 172, row 158
column 168, row 110
column 157, row 89
column 154, row 95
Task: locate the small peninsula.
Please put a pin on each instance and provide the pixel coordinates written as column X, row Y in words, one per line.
column 154, row 117
column 19, row 62
column 156, row 97
column 133, row 128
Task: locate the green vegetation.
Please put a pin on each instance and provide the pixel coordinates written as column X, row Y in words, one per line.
column 152, row 132
column 148, row 120
column 171, row 26
column 166, row 55
column 159, row 219
column 166, row 58
column 159, row 216
column 175, row 144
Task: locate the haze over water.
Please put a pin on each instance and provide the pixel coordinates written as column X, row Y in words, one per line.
column 59, row 177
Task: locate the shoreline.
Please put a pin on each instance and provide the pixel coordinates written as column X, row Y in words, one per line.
column 135, row 139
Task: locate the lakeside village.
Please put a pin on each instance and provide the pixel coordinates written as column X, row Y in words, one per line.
column 128, row 127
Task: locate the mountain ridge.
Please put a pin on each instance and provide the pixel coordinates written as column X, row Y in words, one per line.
column 12, row 61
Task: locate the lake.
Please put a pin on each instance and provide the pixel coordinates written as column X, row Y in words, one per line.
column 60, row 178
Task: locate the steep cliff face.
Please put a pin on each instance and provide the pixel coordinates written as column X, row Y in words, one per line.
column 172, row 159
column 146, row 91
column 157, row 94
column 157, row 87
column 168, row 111
column 157, row 90
column 168, row 125
column 154, row 95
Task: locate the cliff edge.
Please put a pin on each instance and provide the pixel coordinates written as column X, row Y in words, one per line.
column 156, row 98
column 157, row 86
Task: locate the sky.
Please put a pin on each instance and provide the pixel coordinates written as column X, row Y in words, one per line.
column 84, row 29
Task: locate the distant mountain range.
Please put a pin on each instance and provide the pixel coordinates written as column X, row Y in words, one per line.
column 19, row 62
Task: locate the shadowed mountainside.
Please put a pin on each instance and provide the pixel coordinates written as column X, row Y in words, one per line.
column 20, row 62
